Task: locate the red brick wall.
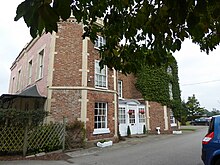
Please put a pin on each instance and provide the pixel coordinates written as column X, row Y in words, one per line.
column 93, row 97
column 156, row 113
column 65, row 103
column 67, row 63
column 68, row 60
column 129, row 89
column 94, row 55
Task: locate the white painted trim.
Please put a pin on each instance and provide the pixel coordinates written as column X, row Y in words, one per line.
column 81, row 88
column 147, row 115
column 50, row 73
column 84, row 80
column 165, row 118
column 106, row 74
column 115, row 103
column 101, row 131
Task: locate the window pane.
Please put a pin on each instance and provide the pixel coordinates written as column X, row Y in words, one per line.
column 100, row 115
column 100, row 76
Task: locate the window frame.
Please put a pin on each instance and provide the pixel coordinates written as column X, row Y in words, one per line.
column 169, row 70
column 18, row 86
column 142, row 117
column 98, row 74
column 40, row 64
column 122, row 116
column 98, row 118
column 120, row 88
column 30, row 71
column 101, row 41
column 170, row 90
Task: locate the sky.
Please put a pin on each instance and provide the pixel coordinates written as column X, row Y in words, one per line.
column 199, row 73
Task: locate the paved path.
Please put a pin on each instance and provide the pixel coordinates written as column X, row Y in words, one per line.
column 150, row 150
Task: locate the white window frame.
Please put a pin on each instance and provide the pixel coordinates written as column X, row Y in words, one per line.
column 172, row 119
column 30, row 67
column 101, row 41
column 120, row 87
column 101, row 77
column 171, row 91
column 101, row 118
column 142, row 117
column 122, row 115
column 40, row 64
column 12, row 84
column 19, row 80
column 169, row 70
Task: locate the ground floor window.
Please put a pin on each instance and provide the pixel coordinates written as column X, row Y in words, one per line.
column 131, row 113
column 100, row 118
column 142, row 117
column 121, row 115
column 172, row 119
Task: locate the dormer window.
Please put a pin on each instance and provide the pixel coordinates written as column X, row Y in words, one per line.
column 100, row 42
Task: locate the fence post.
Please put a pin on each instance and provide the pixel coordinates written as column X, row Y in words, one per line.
column 25, row 145
column 64, row 133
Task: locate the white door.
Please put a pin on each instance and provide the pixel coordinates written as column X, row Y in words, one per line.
column 122, row 118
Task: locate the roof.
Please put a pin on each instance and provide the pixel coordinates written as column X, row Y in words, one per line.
column 31, row 92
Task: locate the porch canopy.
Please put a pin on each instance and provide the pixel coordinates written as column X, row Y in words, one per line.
column 129, row 102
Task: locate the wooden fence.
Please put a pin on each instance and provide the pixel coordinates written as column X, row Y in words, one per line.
column 32, row 140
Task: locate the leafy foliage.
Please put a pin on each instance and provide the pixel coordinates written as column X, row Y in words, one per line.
column 149, row 29
column 128, row 131
column 17, row 117
column 75, row 135
column 153, row 82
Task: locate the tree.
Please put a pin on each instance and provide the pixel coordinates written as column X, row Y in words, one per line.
column 183, row 113
column 214, row 112
column 149, row 28
column 193, row 106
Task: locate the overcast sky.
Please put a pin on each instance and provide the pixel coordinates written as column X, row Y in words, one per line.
column 199, row 73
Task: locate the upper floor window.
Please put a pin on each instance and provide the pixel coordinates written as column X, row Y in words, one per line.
column 119, row 88
column 100, row 76
column 171, row 91
column 40, row 64
column 169, row 70
column 100, row 42
column 19, row 80
column 29, row 72
column 12, row 85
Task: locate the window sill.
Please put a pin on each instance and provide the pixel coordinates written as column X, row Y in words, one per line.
column 97, row 48
column 98, row 87
column 101, row 131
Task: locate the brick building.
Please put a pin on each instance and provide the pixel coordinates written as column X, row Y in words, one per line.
column 65, row 70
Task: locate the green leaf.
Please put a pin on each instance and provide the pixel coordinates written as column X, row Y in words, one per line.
column 63, row 8
column 21, row 10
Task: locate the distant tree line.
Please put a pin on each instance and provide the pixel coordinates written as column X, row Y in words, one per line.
column 191, row 110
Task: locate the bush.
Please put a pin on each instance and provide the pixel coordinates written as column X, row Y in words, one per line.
column 128, row 131
column 75, row 135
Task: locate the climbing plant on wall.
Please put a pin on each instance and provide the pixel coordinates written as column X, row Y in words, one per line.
column 156, row 83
